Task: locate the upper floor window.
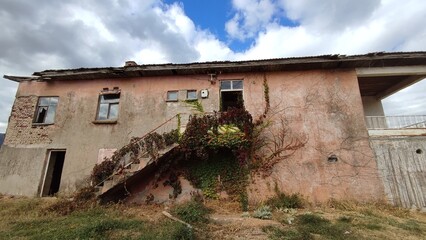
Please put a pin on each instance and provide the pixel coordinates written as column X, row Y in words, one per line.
column 231, row 94
column 108, row 106
column 46, row 109
column 191, row 95
column 231, row 85
column 172, row 96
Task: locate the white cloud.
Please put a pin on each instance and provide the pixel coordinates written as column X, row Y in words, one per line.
column 46, row 34
column 251, row 16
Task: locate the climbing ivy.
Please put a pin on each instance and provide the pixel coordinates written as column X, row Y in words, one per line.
column 216, row 149
column 195, row 105
column 220, row 172
column 151, row 144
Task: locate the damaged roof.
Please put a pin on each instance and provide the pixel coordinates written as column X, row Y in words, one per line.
column 371, row 60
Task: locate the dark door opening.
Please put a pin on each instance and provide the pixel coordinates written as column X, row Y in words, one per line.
column 52, row 178
column 231, row 99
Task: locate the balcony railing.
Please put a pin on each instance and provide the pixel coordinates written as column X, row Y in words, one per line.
column 395, row 122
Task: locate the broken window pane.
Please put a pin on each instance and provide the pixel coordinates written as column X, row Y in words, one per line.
column 46, row 109
column 50, row 117
column 108, row 106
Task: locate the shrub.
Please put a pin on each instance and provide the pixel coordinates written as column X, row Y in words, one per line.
column 192, row 212
column 281, row 200
column 263, row 212
column 101, row 171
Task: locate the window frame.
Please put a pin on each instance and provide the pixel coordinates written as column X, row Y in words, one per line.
column 172, row 100
column 191, row 99
column 231, row 89
column 232, row 85
column 102, row 101
column 49, row 105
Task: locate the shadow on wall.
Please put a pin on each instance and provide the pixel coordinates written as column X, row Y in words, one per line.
column 1, row 138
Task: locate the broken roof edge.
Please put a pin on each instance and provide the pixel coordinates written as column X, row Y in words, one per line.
column 377, row 59
column 20, row 78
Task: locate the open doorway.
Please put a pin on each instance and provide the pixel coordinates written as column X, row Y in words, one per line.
column 231, row 94
column 52, row 178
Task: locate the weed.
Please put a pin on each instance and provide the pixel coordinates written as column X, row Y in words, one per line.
column 277, row 233
column 314, row 224
column 263, row 212
column 412, row 226
column 281, row 200
column 345, row 219
column 192, row 212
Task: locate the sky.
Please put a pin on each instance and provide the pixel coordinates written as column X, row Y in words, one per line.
column 46, row 34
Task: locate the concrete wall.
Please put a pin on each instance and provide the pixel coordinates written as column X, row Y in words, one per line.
column 402, row 166
column 322, row 107
column 372, row 106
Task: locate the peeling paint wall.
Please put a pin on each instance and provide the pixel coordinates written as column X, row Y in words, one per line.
column 402, row 166
column 325, row 109
column 323, row 106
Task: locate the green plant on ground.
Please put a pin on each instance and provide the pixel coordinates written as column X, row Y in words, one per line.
column 192, row 212
column 282, row 200
column 263, row 212
column 309, row 225
column 30, row 221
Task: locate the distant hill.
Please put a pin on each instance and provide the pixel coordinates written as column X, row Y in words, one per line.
column 1, row 138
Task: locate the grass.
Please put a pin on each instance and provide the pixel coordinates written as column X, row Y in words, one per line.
column 23, row 218
column 28, row 219
column 192, row 212
column 352, row 221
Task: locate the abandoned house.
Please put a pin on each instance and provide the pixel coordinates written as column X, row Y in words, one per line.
column 326, row 108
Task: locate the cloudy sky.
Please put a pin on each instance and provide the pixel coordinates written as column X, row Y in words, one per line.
column 47, row 34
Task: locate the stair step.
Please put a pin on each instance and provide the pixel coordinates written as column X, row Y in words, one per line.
column 107, row 185
column 135, row 167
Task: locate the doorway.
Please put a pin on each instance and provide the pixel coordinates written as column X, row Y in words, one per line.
column 52, row 179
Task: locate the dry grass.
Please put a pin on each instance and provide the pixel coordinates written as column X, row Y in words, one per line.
column 25, row 218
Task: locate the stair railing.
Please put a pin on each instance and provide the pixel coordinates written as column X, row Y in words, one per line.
column 125, row 154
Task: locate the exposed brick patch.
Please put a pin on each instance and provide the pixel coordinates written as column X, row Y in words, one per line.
column 20, row 129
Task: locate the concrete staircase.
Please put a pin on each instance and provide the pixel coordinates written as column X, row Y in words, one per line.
column 129, row 170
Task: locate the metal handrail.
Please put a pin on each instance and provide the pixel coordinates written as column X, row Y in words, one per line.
column 396, row 122
column 137, row 140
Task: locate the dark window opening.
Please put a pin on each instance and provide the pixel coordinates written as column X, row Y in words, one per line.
column 52, row 179
column 46, row 109
column 108, row 106
column 232, row 99
column 231, row 94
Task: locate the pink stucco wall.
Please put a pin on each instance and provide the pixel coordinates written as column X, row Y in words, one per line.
column 322, row 107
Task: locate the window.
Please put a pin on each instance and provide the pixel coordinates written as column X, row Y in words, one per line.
column 172, row 96
column 231, row 85
column 191, row 95
column 231, row 94
column 46, row 109
column 108, row 106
